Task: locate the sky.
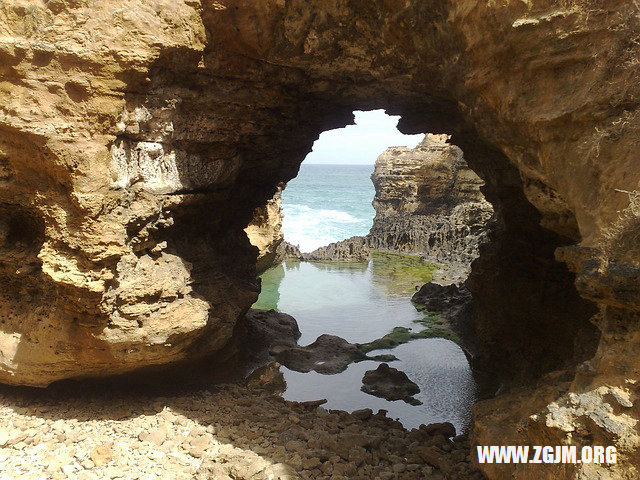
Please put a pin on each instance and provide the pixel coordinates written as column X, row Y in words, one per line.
column 360, row 144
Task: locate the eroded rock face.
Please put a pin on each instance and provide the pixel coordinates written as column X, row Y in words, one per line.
column 427, row 201
column 265, row 232
column 137, row 139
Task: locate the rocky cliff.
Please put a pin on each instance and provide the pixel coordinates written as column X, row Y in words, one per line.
column 265, row 232
column 427, row 201
column 137, row 138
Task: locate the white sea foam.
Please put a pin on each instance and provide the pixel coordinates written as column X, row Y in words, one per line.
column 310, row 228
column 320, row 214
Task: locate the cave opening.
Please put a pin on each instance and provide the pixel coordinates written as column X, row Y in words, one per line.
column 331, row 197
column 373, row 218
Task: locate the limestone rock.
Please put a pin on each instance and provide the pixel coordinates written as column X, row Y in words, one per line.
column 101, row 455
column 137, row 140
column 287, row 251
column 156, row 436
column 427, row 201
column 265, row 232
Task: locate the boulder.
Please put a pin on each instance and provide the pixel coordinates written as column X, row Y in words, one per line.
column 391, row 384
column 328, row 355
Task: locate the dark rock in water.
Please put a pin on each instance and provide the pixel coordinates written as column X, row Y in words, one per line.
column 327, row 355
column 271, row 329
column 386, row 357
column 441, row 298
column 391, row 384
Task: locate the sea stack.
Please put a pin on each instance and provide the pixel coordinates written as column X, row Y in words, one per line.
column 427, row 202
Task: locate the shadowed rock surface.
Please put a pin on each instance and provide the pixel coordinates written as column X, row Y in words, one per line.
column 453, row 303
column 440, row 298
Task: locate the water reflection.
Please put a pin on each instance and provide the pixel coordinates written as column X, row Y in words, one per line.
column 400, row 274
column 270, row 288
column 346, row 299
column 361, row 302
column 437, row 366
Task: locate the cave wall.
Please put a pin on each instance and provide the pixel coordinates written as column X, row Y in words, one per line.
column 137, row 139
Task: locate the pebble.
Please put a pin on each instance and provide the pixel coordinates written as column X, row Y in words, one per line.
column 157, row 436
column 101, row 455
column 232, row 432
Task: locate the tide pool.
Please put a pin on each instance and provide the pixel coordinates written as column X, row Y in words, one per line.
column 361, row 302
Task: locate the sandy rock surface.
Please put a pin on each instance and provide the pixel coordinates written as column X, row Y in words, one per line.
column 232, row 432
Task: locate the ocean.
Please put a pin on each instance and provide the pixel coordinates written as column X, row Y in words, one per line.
column 327, row 203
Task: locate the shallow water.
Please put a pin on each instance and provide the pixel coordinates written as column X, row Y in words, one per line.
column 362, row 302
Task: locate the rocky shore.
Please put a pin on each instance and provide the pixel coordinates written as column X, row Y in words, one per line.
column 427, row 202
column 230, row 432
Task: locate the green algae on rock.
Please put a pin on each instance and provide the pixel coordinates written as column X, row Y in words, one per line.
column 401, row 273
column 435, row 328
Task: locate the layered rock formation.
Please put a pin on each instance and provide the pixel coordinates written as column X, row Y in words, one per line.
column 137, row 139
column 427, row 201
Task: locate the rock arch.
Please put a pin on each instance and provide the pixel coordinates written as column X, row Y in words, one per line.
column 161, row 127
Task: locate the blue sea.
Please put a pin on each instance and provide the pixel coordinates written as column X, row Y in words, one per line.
column 327, row 203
